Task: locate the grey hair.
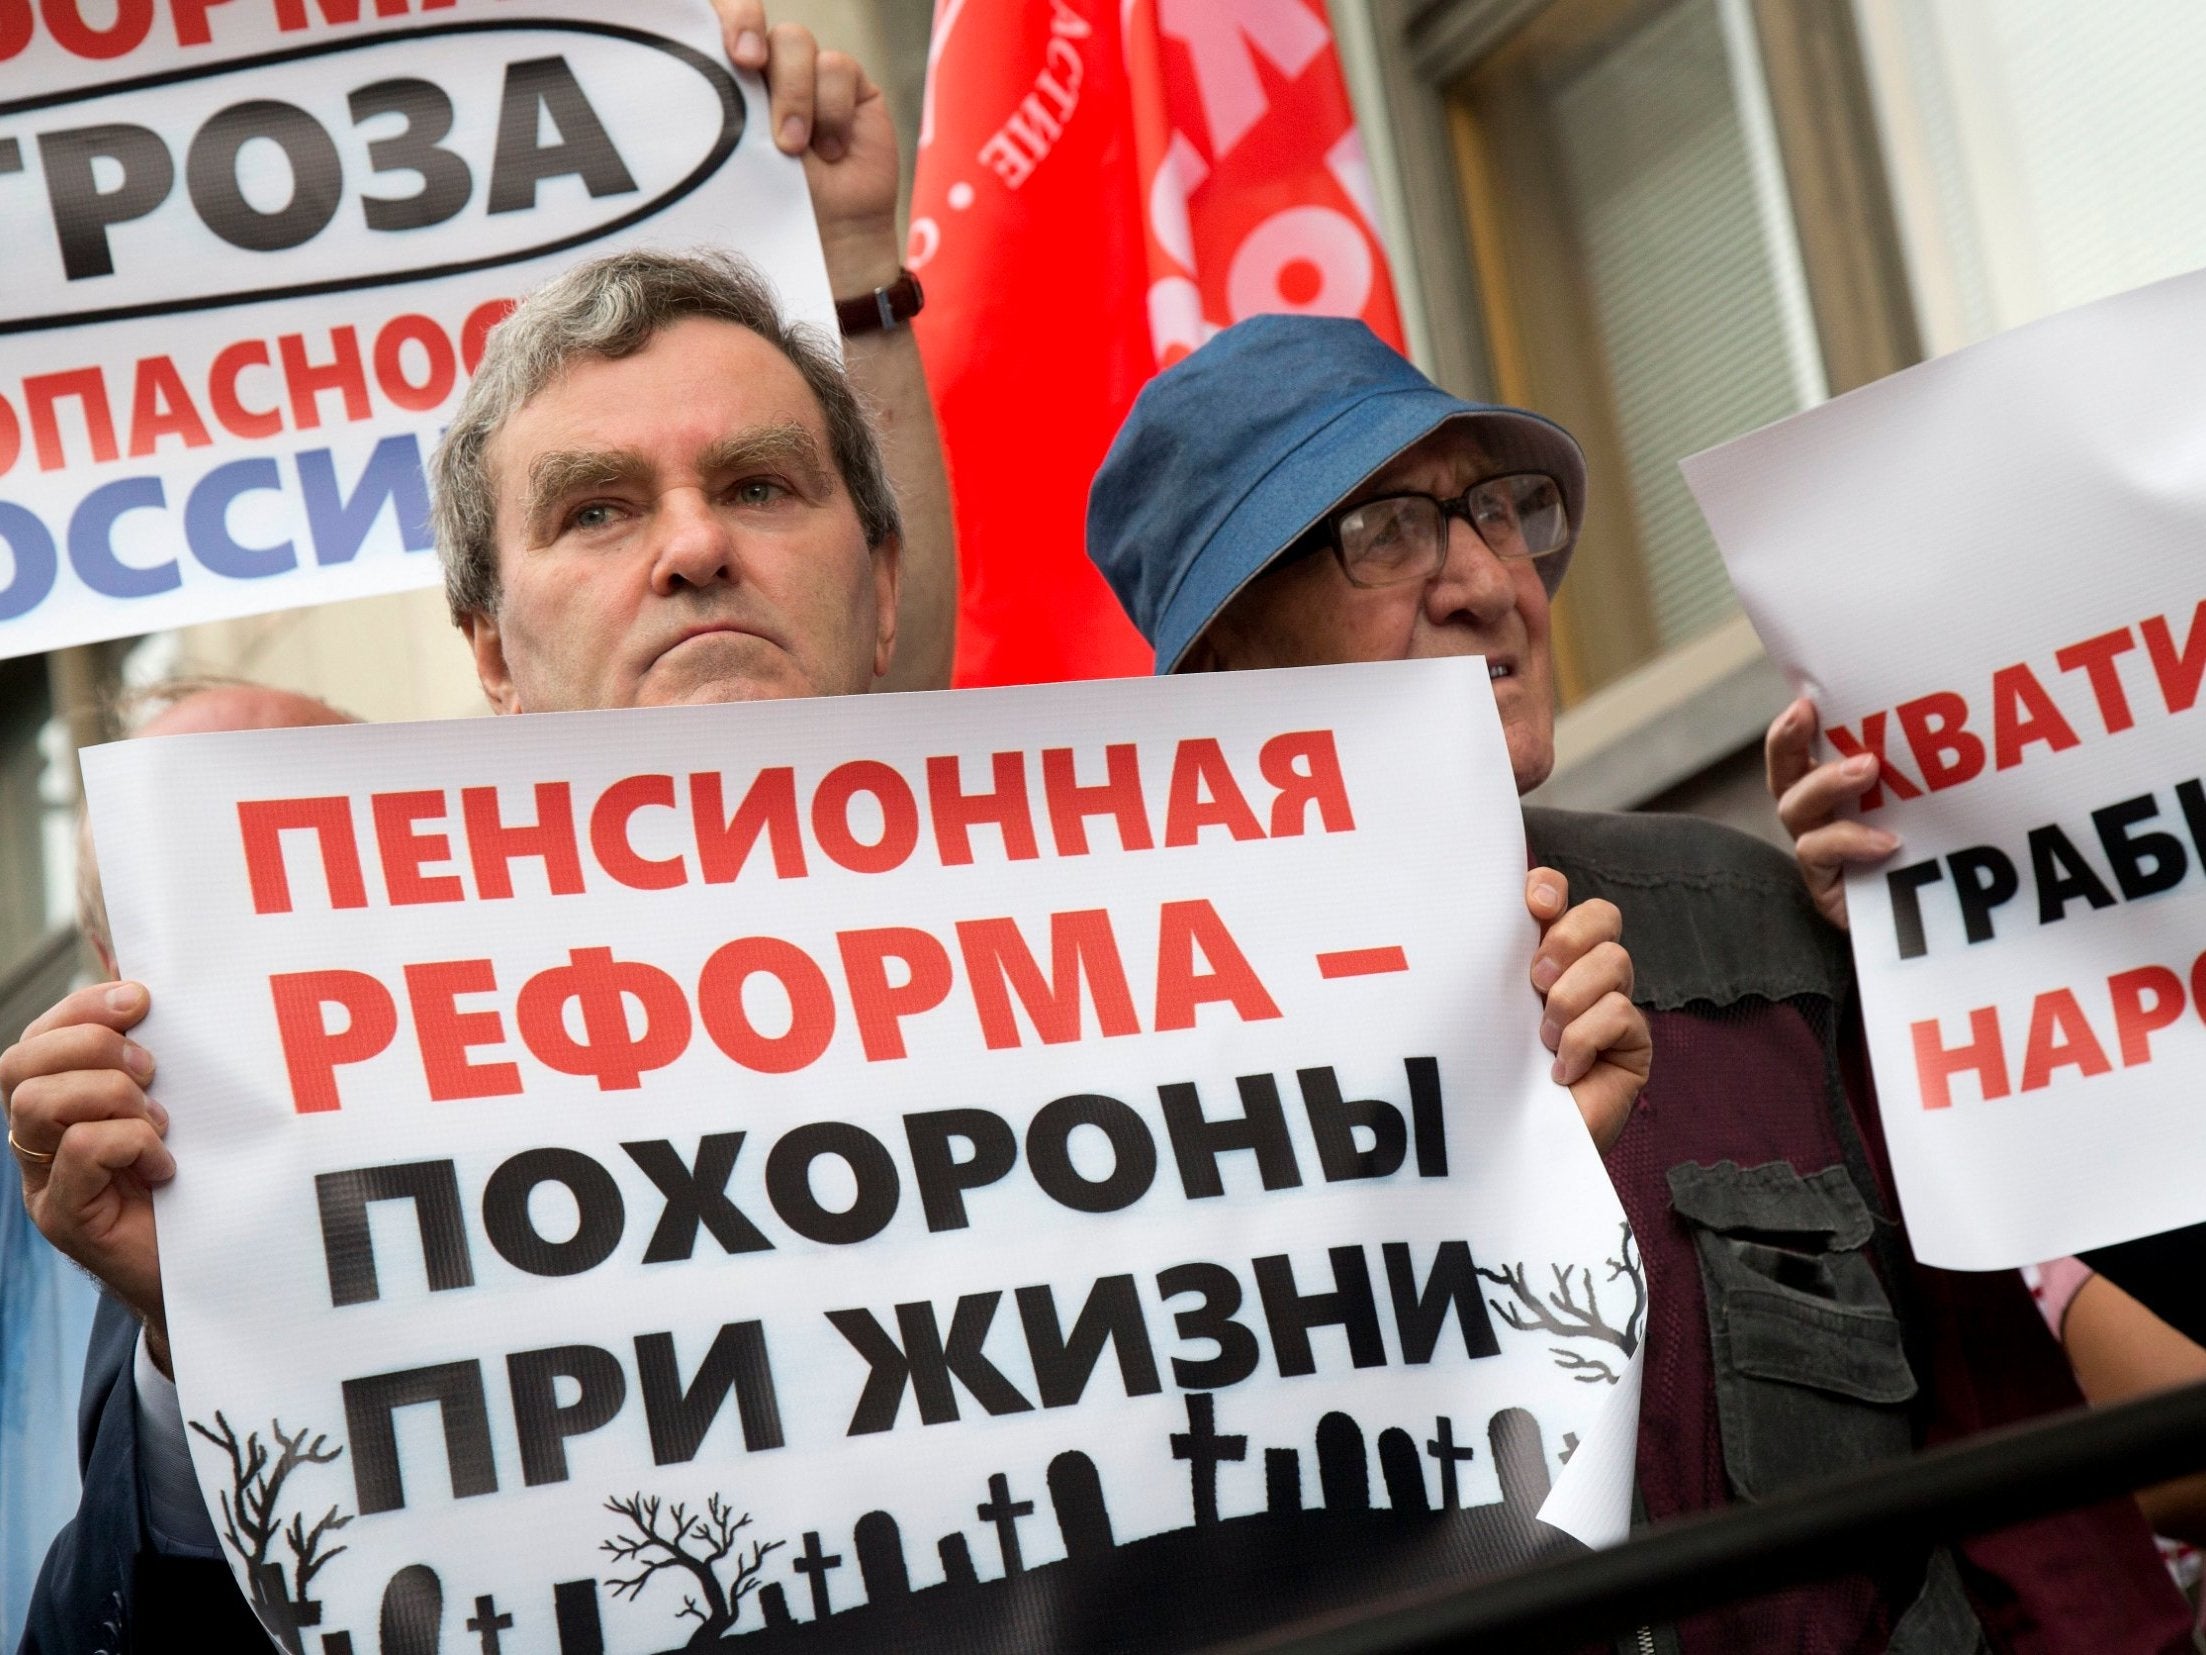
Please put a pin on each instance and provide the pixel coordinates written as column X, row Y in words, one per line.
column 613, row 307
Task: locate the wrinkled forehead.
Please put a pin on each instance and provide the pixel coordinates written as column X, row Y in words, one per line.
column 694, row 386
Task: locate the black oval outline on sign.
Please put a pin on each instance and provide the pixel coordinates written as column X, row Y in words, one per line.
column 715, row 74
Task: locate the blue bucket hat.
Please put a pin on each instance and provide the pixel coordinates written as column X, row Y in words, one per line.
column 1230, row 455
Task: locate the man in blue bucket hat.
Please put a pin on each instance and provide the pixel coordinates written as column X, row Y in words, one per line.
column 1294, row 493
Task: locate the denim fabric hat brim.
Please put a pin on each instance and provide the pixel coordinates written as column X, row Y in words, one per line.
column 1321, row 470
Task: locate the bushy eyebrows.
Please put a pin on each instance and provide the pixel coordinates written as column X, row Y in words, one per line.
column 561, row 473
column 785, row 448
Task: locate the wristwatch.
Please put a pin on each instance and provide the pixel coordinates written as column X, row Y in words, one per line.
column 882, row 309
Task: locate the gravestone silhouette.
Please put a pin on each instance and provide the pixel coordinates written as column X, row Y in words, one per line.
column 412, row 1622
column 879, row 1544
column 574, row 1610
column 1343, row 1471
column 1404, row 1470
column 1076, row 1491
column 957, row 1560
column 1282, row 1480
column 1519, row 1458
column 773, row 1603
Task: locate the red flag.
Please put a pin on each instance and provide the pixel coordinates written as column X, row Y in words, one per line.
column 1102, row 185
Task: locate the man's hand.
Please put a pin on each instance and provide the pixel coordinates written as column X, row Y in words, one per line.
column 74, row 1090
column 824, row 108
column 1602, row 1046
column 1809, row 796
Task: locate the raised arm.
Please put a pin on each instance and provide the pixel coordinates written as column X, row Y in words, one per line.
column 827, row 109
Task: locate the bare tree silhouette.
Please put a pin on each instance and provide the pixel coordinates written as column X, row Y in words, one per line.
column 719, row 1529
column 1567, row 1315
column 252, row 1515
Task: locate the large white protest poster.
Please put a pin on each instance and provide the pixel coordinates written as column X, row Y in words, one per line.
column 893, row 1172
column 253, row 249
column 1988, row 571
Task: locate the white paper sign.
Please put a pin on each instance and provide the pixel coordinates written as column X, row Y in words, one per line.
column 1988, row 570
column 252, row 253
column 926, row 1127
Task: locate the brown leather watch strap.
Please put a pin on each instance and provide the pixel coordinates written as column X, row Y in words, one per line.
column 883, row 308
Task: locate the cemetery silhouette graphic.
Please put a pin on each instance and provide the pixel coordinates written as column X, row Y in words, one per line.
column 1217, row 1578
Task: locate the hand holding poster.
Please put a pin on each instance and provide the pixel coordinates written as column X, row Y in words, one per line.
column 1986, row 571
column 253, row 250
column 881, row 1172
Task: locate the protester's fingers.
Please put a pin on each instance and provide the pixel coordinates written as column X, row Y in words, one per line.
column 1604, row 969
column 1622, row 1047
column 72, row 1046
column 1824, row 856
column 1610, row 1023
column 1816, row 797
column 835, row 92
column 47, row 1106
column 112, row 1005
column 1580, row 930
column 1788, row 751
column 743, row 27
column 792, row 58
column 95, row 1152
column 94, row 1207
column 1838, row 846
column 1546, row 895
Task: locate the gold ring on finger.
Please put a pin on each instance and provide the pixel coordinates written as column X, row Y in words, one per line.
column 25, row 1152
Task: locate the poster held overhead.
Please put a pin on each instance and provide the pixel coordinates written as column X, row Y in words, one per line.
column 1986, row 571
column 897, row 1163
column 253, row 256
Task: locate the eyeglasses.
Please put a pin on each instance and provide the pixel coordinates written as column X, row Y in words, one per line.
column 1404, row 537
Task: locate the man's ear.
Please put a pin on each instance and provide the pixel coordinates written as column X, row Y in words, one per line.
column 484, row 638
column 887, row 574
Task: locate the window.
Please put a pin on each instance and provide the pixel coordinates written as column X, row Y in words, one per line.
column 1641, row 281
column 2044, row 154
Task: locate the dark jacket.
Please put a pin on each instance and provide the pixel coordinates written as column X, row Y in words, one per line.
column 1791, row 1332
column 105, row 1589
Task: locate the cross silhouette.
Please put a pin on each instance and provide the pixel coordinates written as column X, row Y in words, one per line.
column 1005, row 1513
column 488, row 1623
column 1442, row 1448
column 276, row 1610
column 815, row 1564
column 1203, row 1449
